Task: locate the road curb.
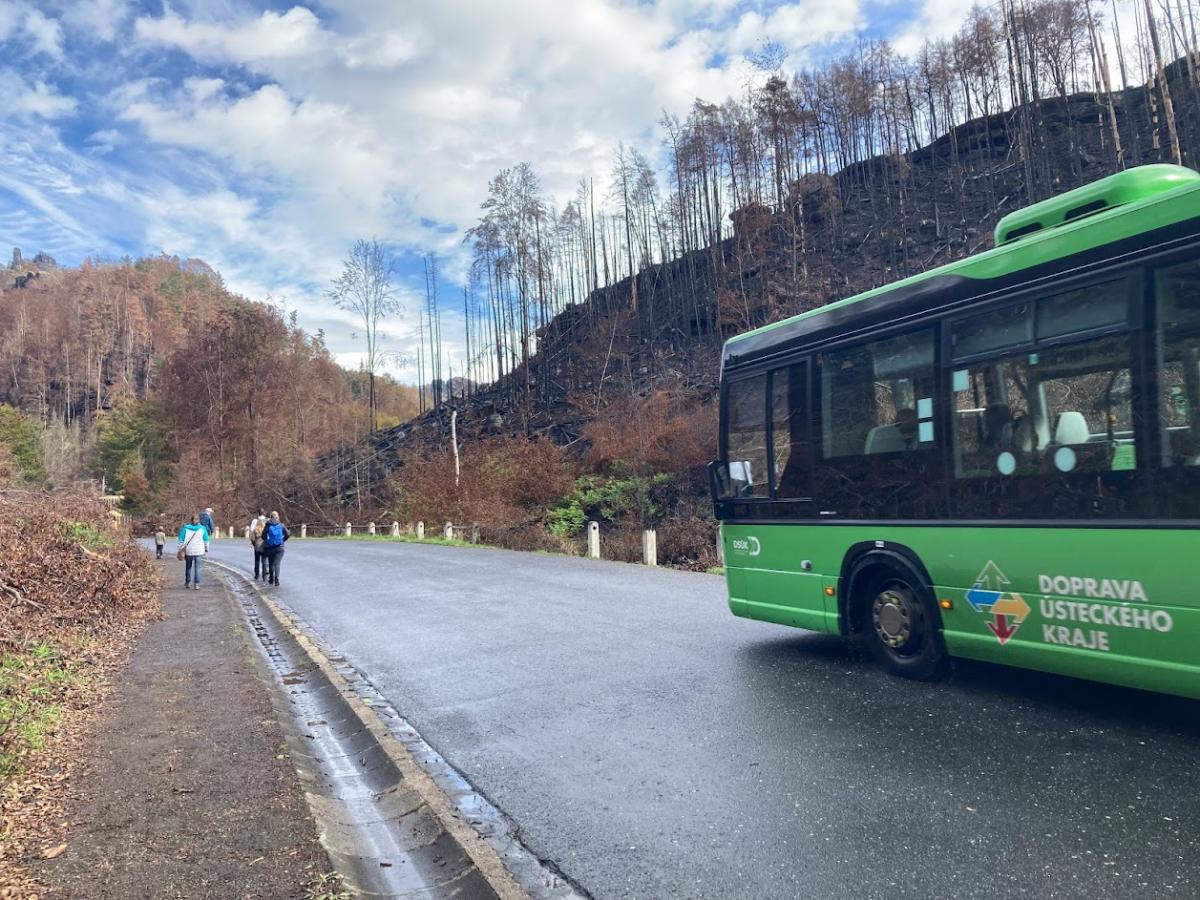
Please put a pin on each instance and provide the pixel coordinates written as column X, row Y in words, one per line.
column 469, row 820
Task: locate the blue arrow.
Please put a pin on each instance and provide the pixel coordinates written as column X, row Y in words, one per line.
column 981, row 599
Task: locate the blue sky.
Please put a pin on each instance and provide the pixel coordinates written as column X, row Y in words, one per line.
column 264, row 138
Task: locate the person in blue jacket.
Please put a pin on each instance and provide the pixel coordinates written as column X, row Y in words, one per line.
column 193, row 544
column 273, row 537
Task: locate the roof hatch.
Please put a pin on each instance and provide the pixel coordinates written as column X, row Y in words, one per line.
column 1129, row 186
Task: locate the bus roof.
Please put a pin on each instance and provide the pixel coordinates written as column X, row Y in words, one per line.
column 1103, row 212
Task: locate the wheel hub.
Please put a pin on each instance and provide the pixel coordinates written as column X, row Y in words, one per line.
column 892, row 614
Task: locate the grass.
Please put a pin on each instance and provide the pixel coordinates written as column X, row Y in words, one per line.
column 403, row 539
column 32, row 682
column 89, row 536
column 326, row 886
column 455, row 542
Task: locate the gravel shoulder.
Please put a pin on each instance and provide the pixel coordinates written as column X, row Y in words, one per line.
column 189, row 792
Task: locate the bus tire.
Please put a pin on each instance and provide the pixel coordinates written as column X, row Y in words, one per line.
column 897, row 617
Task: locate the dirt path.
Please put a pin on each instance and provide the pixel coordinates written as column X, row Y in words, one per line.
column 190, row 792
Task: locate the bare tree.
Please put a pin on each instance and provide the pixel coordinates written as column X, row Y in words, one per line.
column 365, row 289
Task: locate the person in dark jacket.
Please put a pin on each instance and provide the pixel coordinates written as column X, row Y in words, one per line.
column 206, row 520
column 255, row 533
column 274, row 536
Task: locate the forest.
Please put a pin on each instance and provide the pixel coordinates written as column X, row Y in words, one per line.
column 152, row 378
column 593, row 326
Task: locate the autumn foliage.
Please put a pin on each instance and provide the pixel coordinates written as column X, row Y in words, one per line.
column 179, row 392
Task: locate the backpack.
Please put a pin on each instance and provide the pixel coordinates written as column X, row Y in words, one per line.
column 273, row 535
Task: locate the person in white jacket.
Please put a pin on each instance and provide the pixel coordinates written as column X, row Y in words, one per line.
column 193, row 544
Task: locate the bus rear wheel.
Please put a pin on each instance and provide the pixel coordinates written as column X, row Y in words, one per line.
column 901, row 626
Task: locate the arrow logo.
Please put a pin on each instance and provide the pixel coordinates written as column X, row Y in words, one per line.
column 980, row 599
column 1013, row 605
column 992, row 578
column 1001, row 629
column 987, row 596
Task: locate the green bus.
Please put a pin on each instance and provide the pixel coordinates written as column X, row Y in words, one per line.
column 998, row 459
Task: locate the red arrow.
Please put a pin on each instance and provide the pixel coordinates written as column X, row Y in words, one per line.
column 1000, row 628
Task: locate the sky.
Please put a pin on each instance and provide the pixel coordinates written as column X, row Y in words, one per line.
column 265, row 138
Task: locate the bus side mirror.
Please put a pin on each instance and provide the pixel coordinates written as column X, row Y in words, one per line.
column 718, row 479
column 719, row 485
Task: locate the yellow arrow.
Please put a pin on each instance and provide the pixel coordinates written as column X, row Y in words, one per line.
column 1013, row 605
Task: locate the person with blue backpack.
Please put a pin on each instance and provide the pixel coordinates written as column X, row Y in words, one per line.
column 274, row 536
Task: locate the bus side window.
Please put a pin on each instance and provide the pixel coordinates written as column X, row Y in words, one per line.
column 1063, row 409
column 1177, row 291
column 746, row 437
column 789, row 413
column 879, row 397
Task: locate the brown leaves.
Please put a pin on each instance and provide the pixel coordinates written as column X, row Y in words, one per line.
column 62, row 566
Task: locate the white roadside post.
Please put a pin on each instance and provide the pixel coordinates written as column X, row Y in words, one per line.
column 304, row 531
column 370, row 528
column 395, row 529
column 650, row 547
column 593, row 540
column 349, row 527
column 448, row 532
column 231, row 532
column 420, row 531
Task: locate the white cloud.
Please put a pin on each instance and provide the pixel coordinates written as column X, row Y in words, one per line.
column 97, row 18
column 382, row 51
column 18, row 97
column 271, row 36
column 796, row 27
column 937, row 19
column 44, row 33
column 10, row 18
column 104, row 141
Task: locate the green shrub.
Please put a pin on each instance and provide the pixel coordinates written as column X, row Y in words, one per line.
column 610, row 499
column 23, row 437
column 89, row 536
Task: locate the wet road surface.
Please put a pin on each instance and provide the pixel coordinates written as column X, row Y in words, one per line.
column 650, row 745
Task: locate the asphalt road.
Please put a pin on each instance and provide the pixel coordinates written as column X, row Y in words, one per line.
column 651, row 745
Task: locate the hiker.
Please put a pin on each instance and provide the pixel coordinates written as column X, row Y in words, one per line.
column 206, row 520
column 274, row 537
column 193, row 544
column 255, row 534
column 160, row 541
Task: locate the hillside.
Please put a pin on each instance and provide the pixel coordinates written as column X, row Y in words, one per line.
column 615, row 378
column 862, row 228
column 154, row 376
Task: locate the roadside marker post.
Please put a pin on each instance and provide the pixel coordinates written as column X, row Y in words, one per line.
column 593, row 540
column 650, row 547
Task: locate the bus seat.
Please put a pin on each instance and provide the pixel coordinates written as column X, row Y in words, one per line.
column 1023, row 434
column 885, row 439
column 997, row 426
column 1072, row 428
